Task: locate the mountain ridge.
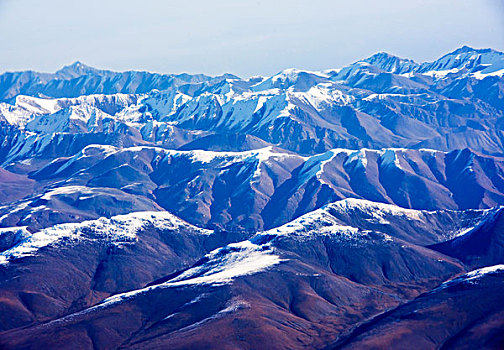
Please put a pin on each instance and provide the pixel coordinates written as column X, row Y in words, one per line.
column 359, row 207
column 358, row 106
column 289, row 256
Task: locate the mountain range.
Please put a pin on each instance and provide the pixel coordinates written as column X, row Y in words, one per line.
column 358, row 207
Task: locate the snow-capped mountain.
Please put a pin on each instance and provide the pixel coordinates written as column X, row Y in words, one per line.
column 355, row 207
column 79, row 79
column 251, row 190
column 382, row 101
column 478, row 63
column 301, row 276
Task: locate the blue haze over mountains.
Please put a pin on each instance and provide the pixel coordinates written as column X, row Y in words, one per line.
column 309, row 209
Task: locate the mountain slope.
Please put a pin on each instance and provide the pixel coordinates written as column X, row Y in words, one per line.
column 78, row 79
column 309, row 209
column 250, row 190
column 463, row 313
column 481, row 246
column 68, row 267
column 383, row 101
column 299, row 276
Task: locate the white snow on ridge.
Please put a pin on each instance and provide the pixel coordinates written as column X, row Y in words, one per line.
column 82, row 118
column 28, row 108
column 359, row 158
column 475, row 274
column 487, row 214
column 441, row 73
column 293, row 73
column 227, row 263
column 389, row 157
column 314, row 165
column 261, row 155
column 88, row 151
column 479, row 75
column 81, row 190
column 472, row 277
column 35, row 105
column 376, row 207
column 119, row 229
column 323, row 95
column 223, row 266
column 317, row 222
column 14, row 115
column 322, row 222
column 319, row 173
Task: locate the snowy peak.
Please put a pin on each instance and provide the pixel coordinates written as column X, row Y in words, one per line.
column 467, row 49
column 119, row 229
column 316, row 223
column 75, row 70
column 466, row 59
column 72, row 119
column 391, row 63
column 332, row 219
column 299, row 79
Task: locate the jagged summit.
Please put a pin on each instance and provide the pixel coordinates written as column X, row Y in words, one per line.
column 465, row 49
column 391, row 63
column 74, row 70
column 466, row 60
column 77, row 65
column 465, row 57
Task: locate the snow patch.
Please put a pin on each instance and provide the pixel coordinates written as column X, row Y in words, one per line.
column 379, row 210
column 389, row 157
column 441, row 73
column 223, row 265
column 472, row 276
column 479, row 75
column 315, row 223
column 357, row 159
column 227, row 263
column 120, row 229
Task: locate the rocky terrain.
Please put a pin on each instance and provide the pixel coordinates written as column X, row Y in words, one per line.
column 358, row 207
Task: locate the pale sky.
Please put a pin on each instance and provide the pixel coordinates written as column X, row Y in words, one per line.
column 256, row 37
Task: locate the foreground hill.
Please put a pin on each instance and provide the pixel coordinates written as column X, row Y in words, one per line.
column 293, row 286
